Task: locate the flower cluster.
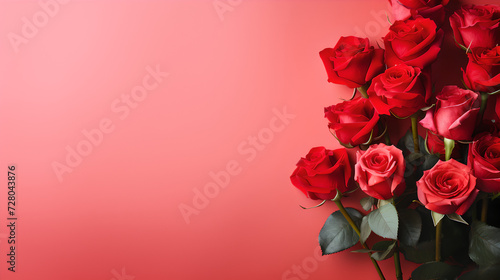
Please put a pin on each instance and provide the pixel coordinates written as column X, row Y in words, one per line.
column 447, row 165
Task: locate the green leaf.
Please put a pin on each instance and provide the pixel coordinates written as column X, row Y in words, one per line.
column 408, row 142
column 315, row 206
column 495, row 196
column 422, row 253
column 384, row 221
column 385, row 249
column 449, row 145
column 410, row 227
column 455, row 242
column 484, row 246
column 352, row 97
column 483, row 273
column 493, row 93
column 430, row 161
column 365, row 230
column 457, row 218
column 436, row 217
column 367, row 202
column 461, row 46
column 436, row 271
column 425, row 109
column 382, row 202
column 336, row 234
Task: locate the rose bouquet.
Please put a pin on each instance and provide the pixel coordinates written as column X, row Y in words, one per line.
column 431, row 194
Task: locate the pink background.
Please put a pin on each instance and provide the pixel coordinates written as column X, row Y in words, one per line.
column 117, row 213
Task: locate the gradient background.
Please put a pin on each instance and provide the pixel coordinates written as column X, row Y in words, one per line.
column 116, row 215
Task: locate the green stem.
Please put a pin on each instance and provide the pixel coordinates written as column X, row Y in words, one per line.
column 438, row 240
column 484, row 102
column 382, row 126
column 387, row 139
column 414, row 131
column 362, row 89
column 397, row 261
column 356, row 229
column 397, row 264
column 484, row 210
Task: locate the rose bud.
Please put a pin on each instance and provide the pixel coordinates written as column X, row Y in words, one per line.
column 413, row 42
column 322, row 173
column 401, row 90
column 352, row 62
column 455, row 113
column 406, row 9
column 353, row 122
column 476, row 26
column 483, row 70
column 380, row 171
column 447, row 188
column 484, row 159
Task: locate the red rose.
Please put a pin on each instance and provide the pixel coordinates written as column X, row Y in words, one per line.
column 380, row 171
column 352, row 62
column 484, row 158
column 432, row 9
column 413, row 42
column 483, row 71
column 353, row 122
column 476, row 26
column 401, row 90
column 435, row 145
column 455, row 113
column 322, row 172
column 448, row 187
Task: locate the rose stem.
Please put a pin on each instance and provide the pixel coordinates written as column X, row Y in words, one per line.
column 397, row 261
column 484, row 210
column 438, row 240
column 397, row 264
column 386, row 133
column 356, row 229
column 387, row 139
column 414, row 131
column 484, row 102
column 362, row 89
column 449, row 145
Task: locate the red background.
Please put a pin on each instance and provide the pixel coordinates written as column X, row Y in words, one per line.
column 118, row 212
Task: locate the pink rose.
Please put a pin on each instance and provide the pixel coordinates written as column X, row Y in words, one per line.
column 380, row 171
